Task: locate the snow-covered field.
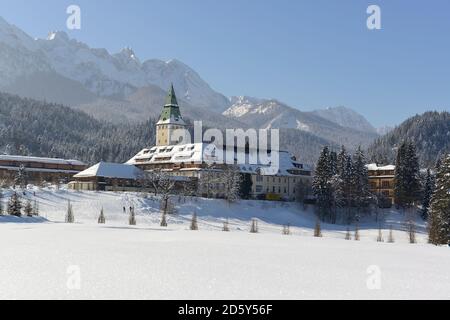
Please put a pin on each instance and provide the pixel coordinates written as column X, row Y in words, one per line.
column 42, row 259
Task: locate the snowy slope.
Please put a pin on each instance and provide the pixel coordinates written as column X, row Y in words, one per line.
column 346, row 117
column 116, row 261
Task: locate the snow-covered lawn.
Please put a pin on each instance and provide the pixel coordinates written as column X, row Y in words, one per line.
column 43, row 260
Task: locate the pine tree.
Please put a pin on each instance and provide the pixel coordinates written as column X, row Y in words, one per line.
column 28, row 209
column 245, row 187
column 70, row 218
column 344, row 183
column 132, row 217
column 439, row 215
column 323, row 185
column 21, row 178
column 254, row 227
column 15, row 205
column 407, row 181
column 318, row 229
column 101, row 218
column 360, row 182
column 427, row 194
column 194, row 222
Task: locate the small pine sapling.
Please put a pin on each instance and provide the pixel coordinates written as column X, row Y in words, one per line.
column 254, row 227
column 411, row 229
column 348, row 236
column 318, row 229
column 70, row 218
column 357, row 237
column 380, row 235
column 132, row 218
column 163, row 220
column 101, row 218
column 194, row 222
column 287, row 230
column 226, row 226
column 391, row 235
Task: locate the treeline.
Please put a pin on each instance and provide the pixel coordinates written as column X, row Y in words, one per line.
column 341, row 187
column 30, row 127
column 430, row 133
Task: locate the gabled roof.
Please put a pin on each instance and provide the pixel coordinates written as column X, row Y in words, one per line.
column 41, row 160
column 111, row 170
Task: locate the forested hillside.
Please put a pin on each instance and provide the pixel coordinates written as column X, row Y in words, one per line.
column 30, row 127
column 429, row 131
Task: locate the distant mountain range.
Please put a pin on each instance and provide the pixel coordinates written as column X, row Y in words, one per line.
column 120, row 88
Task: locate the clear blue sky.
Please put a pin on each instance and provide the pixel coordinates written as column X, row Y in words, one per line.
column 309, row 54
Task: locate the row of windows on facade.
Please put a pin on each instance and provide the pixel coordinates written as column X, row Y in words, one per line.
column 259, row 189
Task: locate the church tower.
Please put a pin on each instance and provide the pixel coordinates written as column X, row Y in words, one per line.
column 169, row 122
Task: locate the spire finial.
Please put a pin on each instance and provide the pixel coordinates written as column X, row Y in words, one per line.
column 171, row 99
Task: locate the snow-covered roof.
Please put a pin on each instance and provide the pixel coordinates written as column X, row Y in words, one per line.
column 111, row 170
column 198, row 153
column 41, row 160
column 375, row 167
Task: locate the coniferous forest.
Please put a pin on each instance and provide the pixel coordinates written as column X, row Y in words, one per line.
column 30, row 127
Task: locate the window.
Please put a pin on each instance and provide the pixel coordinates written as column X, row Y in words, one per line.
column 259, row 178
column 386, row 184
column 259, row 189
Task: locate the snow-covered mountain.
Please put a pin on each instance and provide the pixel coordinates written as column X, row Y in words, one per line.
column 104, row 74
column 268, row 114
column 346, row 117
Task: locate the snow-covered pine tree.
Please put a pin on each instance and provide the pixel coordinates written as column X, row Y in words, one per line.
column 132, row 217
column 15, row 205
column 231, row 178
column 407, row 179
column 323, row 185
column 101, row 218
column 21, row 178
column 194, row 222
column 28, row 210
column 344, row 185
column 428, row 191
column 70, row 218
column 360, row 183
column 439, row 214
